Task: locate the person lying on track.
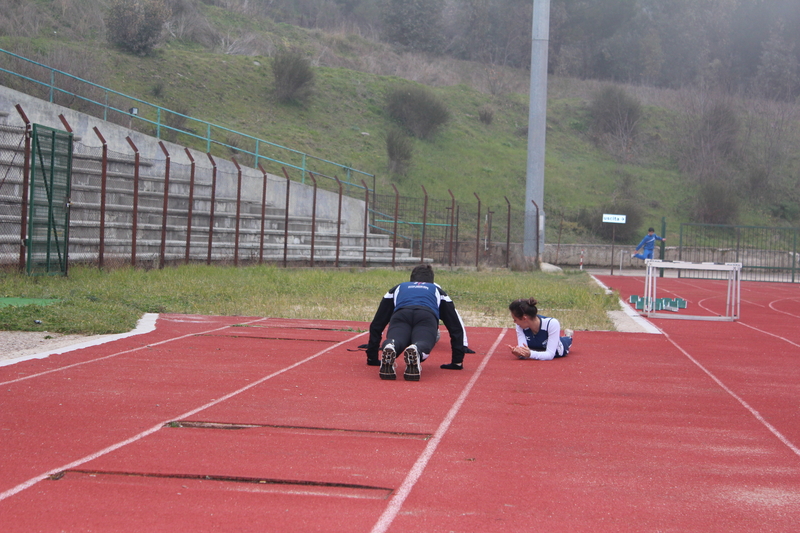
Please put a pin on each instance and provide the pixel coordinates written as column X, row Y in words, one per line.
column 538, row 337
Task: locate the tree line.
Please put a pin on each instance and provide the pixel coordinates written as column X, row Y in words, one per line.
column 735, row 45
column 741, row 46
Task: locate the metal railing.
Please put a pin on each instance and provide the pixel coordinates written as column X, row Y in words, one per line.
column 429, row 227
column 766, row 253
column 117, row 105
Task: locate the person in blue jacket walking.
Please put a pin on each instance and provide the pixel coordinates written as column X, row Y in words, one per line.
column 648, row 244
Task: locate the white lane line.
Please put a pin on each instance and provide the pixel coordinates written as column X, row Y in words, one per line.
column 27, row 484
column 638, row 319
column 59, row 369
column 146, row 324
column 413, row 476
column 746, row 405
column 772, row 306
column 768, row 333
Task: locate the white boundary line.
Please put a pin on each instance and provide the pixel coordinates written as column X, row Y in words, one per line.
column 633, row 315
column 735, row 396
column 59, row 369
column 146, row 324
column 636, row 317
column 27, row 484
column 390, row 513
column 770, row 334
column 716, row 380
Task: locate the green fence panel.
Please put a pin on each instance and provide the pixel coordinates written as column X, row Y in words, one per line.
column 766, row 253
column 50, row 184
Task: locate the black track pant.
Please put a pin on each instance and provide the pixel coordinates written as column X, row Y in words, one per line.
column 412, row 325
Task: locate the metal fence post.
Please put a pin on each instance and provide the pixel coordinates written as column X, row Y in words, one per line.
column 162, row 258
column 238, row 211
column 263, row 215
column 313, row 216
column 458, row 225
column 135, row 213
column 286, row 219
column 103, row 187
column 478, row 231
column 508, row 232
column 424, row 221
column 191, row 206
column 338, row 223
column 488, row 239
column 26, row 172
column 394, row 229
column 366, row 222
column 213, row 202
column 452, row 226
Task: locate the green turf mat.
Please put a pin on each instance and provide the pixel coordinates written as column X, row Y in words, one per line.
column 25, row 301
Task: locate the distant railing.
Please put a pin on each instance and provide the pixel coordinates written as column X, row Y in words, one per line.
column 132, row 108
column 766, row 253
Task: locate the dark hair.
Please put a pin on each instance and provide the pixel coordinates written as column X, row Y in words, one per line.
column 651, row 229
column 520, row 308
column 423, row 273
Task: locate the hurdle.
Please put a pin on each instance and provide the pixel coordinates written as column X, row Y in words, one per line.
column 729, row 271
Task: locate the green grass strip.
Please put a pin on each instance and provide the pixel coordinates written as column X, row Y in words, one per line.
column 92, row 301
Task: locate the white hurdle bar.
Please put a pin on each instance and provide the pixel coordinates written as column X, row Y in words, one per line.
column 734, row 292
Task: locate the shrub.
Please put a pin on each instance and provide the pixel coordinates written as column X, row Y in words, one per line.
column 417, row 25
column 294, row 78
column 787, row 210
column 615, row 118
column 708, row 139
column 615, row 112
column 399, row 149
column 716, row 204
column 175, row 122
column 136, row 25
column 187, row 23
column 486, row 114
column 417, row 109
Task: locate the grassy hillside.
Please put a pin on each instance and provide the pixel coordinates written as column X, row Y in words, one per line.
column 345, row 121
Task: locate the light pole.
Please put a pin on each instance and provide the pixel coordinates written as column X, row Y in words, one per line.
column 533, row 243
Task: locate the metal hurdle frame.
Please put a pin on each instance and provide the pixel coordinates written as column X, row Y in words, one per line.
column 734, row 292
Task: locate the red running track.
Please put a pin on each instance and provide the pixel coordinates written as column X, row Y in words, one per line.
column 251, row 424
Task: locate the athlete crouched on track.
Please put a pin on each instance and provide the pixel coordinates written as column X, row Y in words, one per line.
column 412, row 310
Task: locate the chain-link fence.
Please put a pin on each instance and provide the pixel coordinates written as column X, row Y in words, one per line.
column 12, row 165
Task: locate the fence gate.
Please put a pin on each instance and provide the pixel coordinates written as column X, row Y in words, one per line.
column 50, row 182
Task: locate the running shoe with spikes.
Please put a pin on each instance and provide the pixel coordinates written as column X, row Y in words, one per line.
column 413, row 367
column 387, row 362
